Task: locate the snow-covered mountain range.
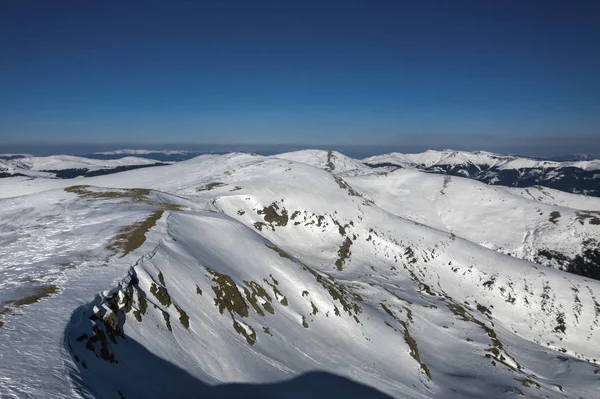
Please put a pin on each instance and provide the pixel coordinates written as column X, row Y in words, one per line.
column 580, row 177
column 513, row 171
column 301, row 274
column 157, row 155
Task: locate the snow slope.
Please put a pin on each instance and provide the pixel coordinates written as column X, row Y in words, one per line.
column 509, row 220
column 491, row 216
column 574, row 177
column 556, row 197
column 259, row 269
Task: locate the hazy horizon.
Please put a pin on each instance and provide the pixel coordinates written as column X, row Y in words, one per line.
column 550, row 148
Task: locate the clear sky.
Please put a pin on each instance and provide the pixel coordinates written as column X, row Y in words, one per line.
column 308, row 72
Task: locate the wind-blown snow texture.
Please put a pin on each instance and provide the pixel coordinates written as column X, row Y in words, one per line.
column 229, row 275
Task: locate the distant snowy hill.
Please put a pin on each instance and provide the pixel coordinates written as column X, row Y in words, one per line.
column 67, row 166
column 13, row 156
column 574, row 176
column 480, row 158
column 296, row 275
column 331, row 161
column 157, row 155
column 141, row 152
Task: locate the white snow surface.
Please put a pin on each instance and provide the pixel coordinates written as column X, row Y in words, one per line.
column 259, row 269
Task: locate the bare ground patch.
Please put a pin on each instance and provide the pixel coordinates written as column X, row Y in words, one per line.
column 130, row 238
column 211, row 186
column 35, row 295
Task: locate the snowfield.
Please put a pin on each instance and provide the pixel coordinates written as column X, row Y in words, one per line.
column 301, row 274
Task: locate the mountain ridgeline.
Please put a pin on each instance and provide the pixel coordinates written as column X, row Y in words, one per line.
column 580, row 177
column 301, row 274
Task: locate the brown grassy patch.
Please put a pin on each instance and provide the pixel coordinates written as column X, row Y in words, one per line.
column 130, row 238
column 272, row 216
column 276, row 291
column 183, row 317
column 129, row 194
column 279, row 251
column 554, row 216
column 250, row 338
column 142, row 303
column 410, row 341
column 39, row 292
column 343, row 253
column 414, row 350
column 329, row 165
column 526, row 382
column 345, row 186
column 167, row 318
column 484, row 310
column 315, row 310
column 592, row 216
column 133, row 194
column 447, row 180
column 161, row 294
column 227, row 295
column 304, row 323
column 210, row 186
column 253, row 293
column 337, row 292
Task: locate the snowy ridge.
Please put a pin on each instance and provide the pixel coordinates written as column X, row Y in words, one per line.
column 247, row 269
column 450, row 157
column 579, row 177
column 331, row 161
column 525, row 225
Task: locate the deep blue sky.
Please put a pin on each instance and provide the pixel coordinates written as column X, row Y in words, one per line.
column 315, row 73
